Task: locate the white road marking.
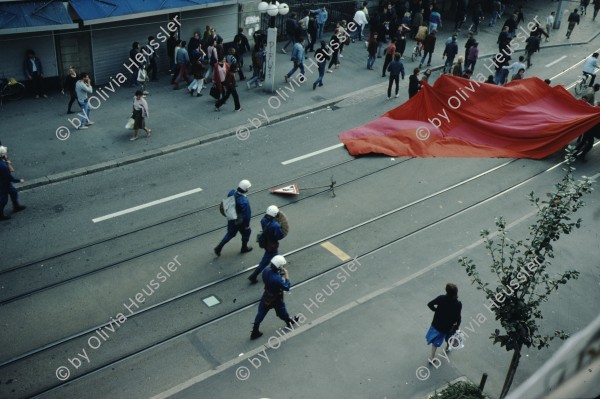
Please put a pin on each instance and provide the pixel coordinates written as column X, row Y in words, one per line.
column 146, row 205
column 312, row 154
column 556, row 61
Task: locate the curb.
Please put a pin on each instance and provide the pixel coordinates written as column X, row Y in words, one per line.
column 222, row 134
column 225, row 133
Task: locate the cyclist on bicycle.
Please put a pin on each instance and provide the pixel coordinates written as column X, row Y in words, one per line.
column 590, row 66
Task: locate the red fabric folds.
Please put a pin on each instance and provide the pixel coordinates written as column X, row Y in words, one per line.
column 464, row 118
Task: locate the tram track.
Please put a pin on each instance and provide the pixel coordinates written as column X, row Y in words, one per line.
column 244, row 306
column 297, row 250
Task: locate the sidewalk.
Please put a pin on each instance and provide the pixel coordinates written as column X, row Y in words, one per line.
column 180, row 121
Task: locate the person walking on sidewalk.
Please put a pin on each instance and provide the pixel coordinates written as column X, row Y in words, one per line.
column 140, row 113
column 272, row 232
column 230, row 85
column 242, row 223
column 596, row 9
column 83, row 87
column 428, row 48
column 389, row 56
column 573, row 20
column 297, row 58
column 450, row 52
column 312, row 30
column 395, row 69
column 6, row 187
column 277, row 280
column 472, row 57
column 322, row 57
column 183, row 60
column 446, row 319
column 372, row 50
column 334, row 44
column 549, row 24
column 291, row 29
column 257, row 65
column 321, row 20
column 69, row 85
column 361, row 21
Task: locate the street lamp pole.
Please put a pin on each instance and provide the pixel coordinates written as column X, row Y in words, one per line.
column 273, row 9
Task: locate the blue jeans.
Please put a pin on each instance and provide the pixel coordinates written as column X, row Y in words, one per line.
column 85, row 108
column 371, row 61
column 320, row 28
column 255, row 77
column 295, row 68
column 357, row 35
column 319, row 80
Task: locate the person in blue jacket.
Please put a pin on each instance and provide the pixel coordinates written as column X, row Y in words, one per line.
column 273, row 233
column 242, row 224
column 276, row 279
column 6, row 187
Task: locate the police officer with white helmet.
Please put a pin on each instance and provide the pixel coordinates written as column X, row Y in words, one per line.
column 272, row 232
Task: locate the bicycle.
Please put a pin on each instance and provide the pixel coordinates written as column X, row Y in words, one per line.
column 582, row 85
column 417, row 51
column 11, row 89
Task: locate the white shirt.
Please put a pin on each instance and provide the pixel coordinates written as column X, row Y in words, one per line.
column 514, row 67
column 34, row 67
column 141, row 104
column 549, row 20
column 304, row 23
column 82, row 90
column 590, row 65
column 360, row 18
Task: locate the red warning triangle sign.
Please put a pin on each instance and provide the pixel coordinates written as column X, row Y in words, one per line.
column 292, row 189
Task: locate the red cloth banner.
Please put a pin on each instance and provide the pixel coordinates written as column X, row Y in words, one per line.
column 465, row 118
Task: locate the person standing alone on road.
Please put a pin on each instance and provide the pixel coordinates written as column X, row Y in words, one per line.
column 446, row 319
column 6, row 187
column 83, row 87
column 272, row 232
column 277, row 280
column 242, row 223
column 395, row 69
column 140, row 113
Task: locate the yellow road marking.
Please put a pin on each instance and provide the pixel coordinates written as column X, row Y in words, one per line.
column 336, row 251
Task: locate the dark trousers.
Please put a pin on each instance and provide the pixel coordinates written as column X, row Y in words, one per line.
column 72, row 100
column 37, row 84
column 152, row 67
column 393, row 78
column 585, row 145
column 14, row 197
column 236, row 101
column 264, row 262
column 182, row 68
column 313, row 40
column 386, row 62
column 334, row 59
column 232, row 231
column 279, row 307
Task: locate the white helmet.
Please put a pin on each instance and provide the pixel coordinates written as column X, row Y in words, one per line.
column 3, row 151
column 244, row 185
column 272, row 211
column 278, row 261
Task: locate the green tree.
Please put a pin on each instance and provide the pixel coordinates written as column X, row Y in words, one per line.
column 522, row 268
